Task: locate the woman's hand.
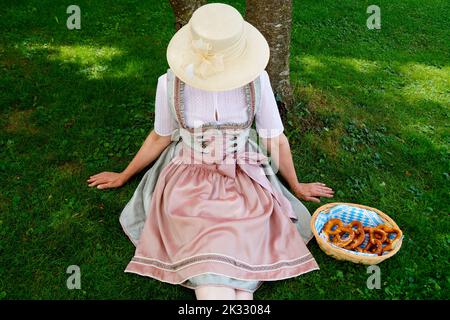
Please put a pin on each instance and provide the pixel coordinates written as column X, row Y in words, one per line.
column 312, row 191
column 106, row 180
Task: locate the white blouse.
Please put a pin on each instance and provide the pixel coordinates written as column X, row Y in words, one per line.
column 201, row 106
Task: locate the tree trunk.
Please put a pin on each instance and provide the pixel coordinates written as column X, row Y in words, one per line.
column 273, row 18
column 183, row 10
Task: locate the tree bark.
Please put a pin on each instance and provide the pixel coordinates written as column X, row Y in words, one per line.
column 273, row 18
column 183, row 10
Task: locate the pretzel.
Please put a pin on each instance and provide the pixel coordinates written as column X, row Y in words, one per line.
column 328, row 227
column 359, row 235
column 356, row 223
column 342, row 242
column 378, row 245
column 389, row 231
column 377, row 234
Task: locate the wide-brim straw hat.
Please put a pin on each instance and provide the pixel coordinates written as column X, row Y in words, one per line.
column 217, row 50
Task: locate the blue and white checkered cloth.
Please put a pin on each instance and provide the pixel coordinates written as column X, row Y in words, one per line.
column 348, row 214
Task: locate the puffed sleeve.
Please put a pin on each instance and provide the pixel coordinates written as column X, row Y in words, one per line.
column 267, row 119
column 165, row 122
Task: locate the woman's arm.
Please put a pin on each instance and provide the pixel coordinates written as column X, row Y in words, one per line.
column 152, row 147
column 280, row 152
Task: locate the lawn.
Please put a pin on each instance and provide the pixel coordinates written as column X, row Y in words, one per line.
column 371, row 120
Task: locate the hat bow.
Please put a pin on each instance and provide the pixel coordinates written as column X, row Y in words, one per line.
column 203, row 61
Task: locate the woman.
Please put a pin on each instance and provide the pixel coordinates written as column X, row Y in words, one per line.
column 211, row 214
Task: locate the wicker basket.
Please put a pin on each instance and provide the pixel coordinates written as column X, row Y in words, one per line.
column 342, row 254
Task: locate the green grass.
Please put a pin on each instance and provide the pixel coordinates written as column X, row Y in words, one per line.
column 373, row 107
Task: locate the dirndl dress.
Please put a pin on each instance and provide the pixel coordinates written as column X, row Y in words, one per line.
column 211, row 210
